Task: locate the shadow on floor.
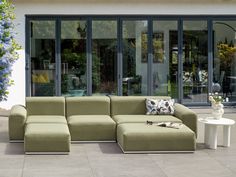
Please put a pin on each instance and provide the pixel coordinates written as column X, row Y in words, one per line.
column 14, row 149
column 200, row 146
column 110, row 148
column 4, row 138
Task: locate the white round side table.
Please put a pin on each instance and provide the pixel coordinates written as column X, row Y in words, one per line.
column 210, row 135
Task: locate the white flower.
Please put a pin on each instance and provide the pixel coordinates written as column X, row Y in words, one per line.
column 211, row 98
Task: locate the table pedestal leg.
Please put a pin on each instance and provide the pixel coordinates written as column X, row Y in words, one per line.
column 226, row 136
column 206, row 135
column 211, row 136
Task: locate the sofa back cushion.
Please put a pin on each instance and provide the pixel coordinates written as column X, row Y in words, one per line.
column 130, row 105
column 45, row 106
column 88, row 105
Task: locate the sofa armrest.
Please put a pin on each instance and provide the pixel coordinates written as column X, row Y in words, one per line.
column 188, row 117
column 16, row 122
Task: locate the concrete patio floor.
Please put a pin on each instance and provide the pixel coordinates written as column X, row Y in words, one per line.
column 107, row 160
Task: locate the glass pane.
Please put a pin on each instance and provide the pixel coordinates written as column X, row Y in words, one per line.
column 224, row 72
column 104, row 57
column 42, row 55
column 73, row 58
column 195, row 61
column 165, row 58
column 135, row 56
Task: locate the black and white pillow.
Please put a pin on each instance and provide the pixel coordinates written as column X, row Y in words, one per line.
column 151, row 106
column 165, row 107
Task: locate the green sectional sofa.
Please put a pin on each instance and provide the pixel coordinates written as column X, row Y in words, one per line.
column 50, row 124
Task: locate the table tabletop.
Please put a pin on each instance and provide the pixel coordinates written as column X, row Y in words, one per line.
column 212, row 121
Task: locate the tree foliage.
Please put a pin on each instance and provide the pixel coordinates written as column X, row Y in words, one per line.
column 226, row 54
column 8, row 46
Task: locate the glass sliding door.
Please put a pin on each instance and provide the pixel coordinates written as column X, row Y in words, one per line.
column 73, row 58
column 135, row 57
column 195, row 62
column 224, row 63
column 104, row 57
column 70, row 56
column 165, row 58
column 42, row 58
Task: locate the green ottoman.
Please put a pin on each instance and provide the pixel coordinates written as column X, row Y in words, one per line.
column 141, row 138
column 47, row 138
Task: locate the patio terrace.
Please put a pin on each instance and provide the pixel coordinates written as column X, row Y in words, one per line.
column 107, row 160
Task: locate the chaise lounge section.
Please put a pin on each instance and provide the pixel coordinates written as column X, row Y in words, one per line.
column 135, row 136
column 41, row 125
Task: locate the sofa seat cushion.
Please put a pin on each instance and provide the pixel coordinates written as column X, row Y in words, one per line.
column 49, row 137
column 143, row 118
column 92, row 128
column 142, row 137
column 46, row 119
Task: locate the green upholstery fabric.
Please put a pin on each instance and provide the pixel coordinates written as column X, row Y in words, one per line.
column 142, row 137
column 50, row 137
column 96, row 105
column 92, row 128
column 88, row 118
column 187, row 116
column 16, row 122
column 46, row 119
column 126, row 105
column 143, row 118
column 45, row 106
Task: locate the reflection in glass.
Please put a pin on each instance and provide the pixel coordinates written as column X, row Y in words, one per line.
column 42, row 55
column 73, row 58
column 224, row 72
column 104, row 57
column 195, row 61
column 135, row 57
column 165, row 58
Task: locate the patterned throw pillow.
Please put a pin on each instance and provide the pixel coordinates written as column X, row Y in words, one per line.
column 165, row 107
column 151, row 106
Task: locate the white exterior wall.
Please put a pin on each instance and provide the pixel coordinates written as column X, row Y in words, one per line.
column 141, row 7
